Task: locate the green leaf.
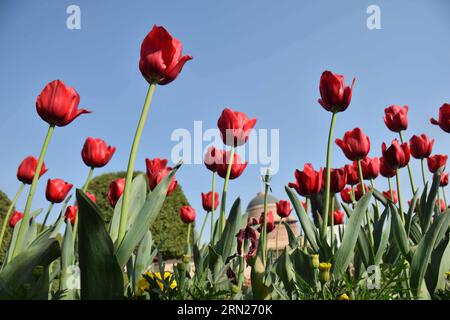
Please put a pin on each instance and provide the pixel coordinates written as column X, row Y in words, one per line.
column 227, row 242
column 364, row 248
column 409, row 216
column 431, row 200
column 144, row 219
column 302, row 264
column 444, row 267
column 101, row 275
column 344, row 253
column 67, row 260
column 382, row 229
column 291, row 236
column 400, row 234
column 285, row 271
column 308, row 227
column 143, row 258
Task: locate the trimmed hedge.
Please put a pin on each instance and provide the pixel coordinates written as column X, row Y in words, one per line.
column 4, row 206
column 167, row 228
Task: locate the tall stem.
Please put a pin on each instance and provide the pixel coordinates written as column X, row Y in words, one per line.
column 188, row 240
column 377, row 216
column 390, row 189
column 85, row 186
column 422, row 164
column 50, row 207
column 26, row 212
column 213, row 205
column 445, row 198
column 203, row 227
column 411, row 179
column 369, row 222
column 224, row 191
column 327, row 183
column 308, row 204
column 264, row 232
column 131, row 161
column 361, row 177
column 399, row 195
column 88, row 179
column 8, row 213
column 278, row 229
column 332, row 227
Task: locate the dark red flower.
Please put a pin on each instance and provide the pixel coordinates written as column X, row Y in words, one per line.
column 71, row 214
column 270, row 222
column 157, row 170
column 57, row 190
column 396, row 118
column 207, row 201
column 338, row 217
column 115, row 191
column 441, row 205
column 421, row 146
column 58, row 104
column 396, row 156
column 308, row 181
column 444, row 179
column 161, row 57
column 213, row 157
column 338, row 180
column 96, row 153
column 436, row 161
column 352, row 174
column 370, row 167
column 27, row 169
column 355, row 144
column 387, row 195
column 444, row 118
column 235, row 127
column 346, row 195
column 284, row 208
column 15, row 217
column 237, row 167
column 247, row 234
column 359, row 192
column 334, row 95
column 187, row 214
column 385, row 170
column 91, row 196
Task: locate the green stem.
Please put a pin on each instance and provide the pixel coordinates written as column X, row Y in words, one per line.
column 399, row 195
column 422, row 164
column 445, row 198
column 266, row 192
column 327, row 183
column 308, row 204
column 50, row 207
column 377, row 215
column 278, row 229
column 88, row 179
column 203, row 227
column 131, row 161
column 188, row 240
column 26, row 213
column 8, row 213
column 353, row 197
column 85, row 186
column 390, row 189
column 213, row 206
column 241, row 267
column 224, row 192
column 369, row 222
column 411, row 178
column 332, row 227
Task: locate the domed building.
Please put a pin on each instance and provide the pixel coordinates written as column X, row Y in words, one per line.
column 256, row 207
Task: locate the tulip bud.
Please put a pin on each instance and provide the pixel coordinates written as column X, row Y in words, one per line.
column 116, row 188
column 207, row 201
column 421, row 146
column 237, row 166
column 334, row 95
column 444, row 118
column 315, row 261
column 396, row 156
column 15, row 217
column 27, row 169
column 436, row 161
column 57, row 190
column 308, row 181
column 71, row 214
column 396, row 118
column 444, row 179
column 235, row 127
column 96, row 153
column 187, row 214
column 355, row 144
column 324, row 268
column 157, row 170
column 284, row 208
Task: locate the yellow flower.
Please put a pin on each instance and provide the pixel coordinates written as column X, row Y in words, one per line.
column 325, row 266
column 344, row 296
column 315, row 261
column 447, row 274
column 144, row 284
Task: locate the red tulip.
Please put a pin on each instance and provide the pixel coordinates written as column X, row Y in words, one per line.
column 385, row 170
column 58, row 104
column 161, row 57
column 157, row 170
column 270, row 222
column 444, row 118
column 91, row 196
column 396, row 156
column 308, row 181
column 441, row 205
column 96, row 153
column 334, row 95
column 27, row 169
column 370, row 167
column 421, row 146
column 444, row 179
column 338, row 180
column 247, row 234
column 71, row 214
column 213, row 157
column 396, row 118
column 352, row 174
column 57, row 190
column 235, row 127
column 338, row 217
column 187, row 214
column 359, row 191
column 387, row 195
column 207, row 201
column 355, row 144
column 284, row 208
column 237, row 167
column 346, row 195
column 436, row 161
column 15, row 217
column 115, row 191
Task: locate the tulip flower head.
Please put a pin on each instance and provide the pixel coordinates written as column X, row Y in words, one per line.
column 387, row 195
column 27, row 169
column 441, row 205
column 58, row 104
column 237, row 167
column 355, row 144
column 187, row 214
column 270, row 222
column 308, row 181
column 15, row 217
column 338, row 217
column 436, row 161
column 338, row 180
column 115, row 191
column 207, row 201
column 161, row 57
column 247, row 234
column 385, row 170
column 71, row 214
column 352, row 173
column 421, row 146
column 359, row 191
column 235, row 127
column 396, row 156
column 284, row 208
column 444, row 179
column 370, row 167
column 57, row 190
column 157, row 170
column 334, row 95
column 213, row 157
column 96, row 153
column 346, row 195
column 396, row 118
column 444, row 118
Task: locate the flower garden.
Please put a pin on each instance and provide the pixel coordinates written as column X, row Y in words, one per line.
column 357, row 242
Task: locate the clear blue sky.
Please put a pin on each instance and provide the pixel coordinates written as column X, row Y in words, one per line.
column 261, row 57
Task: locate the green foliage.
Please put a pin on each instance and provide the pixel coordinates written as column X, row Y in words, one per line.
column 168, row 228
column 4, row 206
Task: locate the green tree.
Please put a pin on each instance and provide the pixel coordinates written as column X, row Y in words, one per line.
column 168, row 228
